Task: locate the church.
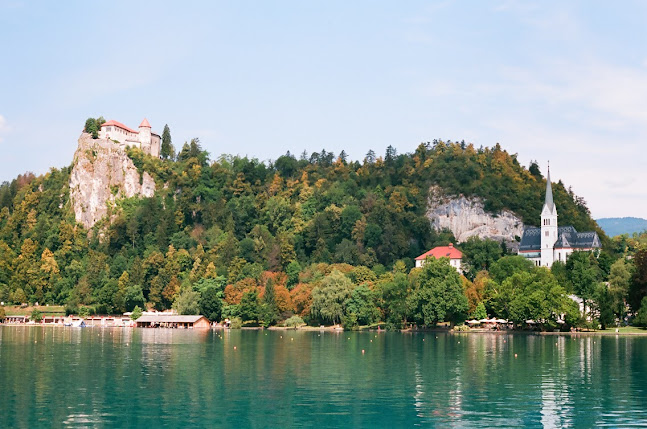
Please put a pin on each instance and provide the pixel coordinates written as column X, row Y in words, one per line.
column 550, row 243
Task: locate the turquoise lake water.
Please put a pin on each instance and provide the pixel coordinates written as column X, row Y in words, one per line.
column 93, row 377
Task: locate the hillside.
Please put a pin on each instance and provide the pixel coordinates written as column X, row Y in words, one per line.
column 613, row 226
column 235, row 218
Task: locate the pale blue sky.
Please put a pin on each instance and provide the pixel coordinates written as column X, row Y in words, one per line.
column 549, row 80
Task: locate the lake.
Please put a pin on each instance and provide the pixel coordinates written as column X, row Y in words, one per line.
column 94, row 377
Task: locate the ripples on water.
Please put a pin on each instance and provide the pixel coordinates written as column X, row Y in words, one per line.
column 93, row 377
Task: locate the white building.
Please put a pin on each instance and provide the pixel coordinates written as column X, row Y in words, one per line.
column 550, row 242
column 144, row 139
column 450, row 252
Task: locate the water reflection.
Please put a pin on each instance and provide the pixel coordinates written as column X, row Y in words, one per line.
column 158, row 377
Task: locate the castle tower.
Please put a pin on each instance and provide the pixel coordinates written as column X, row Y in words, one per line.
column 548, row 226
column 145, row 136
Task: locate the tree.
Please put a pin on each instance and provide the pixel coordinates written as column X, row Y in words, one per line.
column 638, row 288
column 328, row 299
column 269, row 308
column 641, row 314
column 36, row 315
column 438, row 294
column 362, row 305
column 167, row 150
column 479, row 312
column 134, row 297
column 619, row 282
column 604, row 305
column 479, row 255
column 248, row 307
column 584, row 275
column 136, row 313
column 187, row 302
column 3, row 314
column 211, row 303
column 507, row 266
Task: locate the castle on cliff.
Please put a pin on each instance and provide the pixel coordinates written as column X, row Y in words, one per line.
column 550, row 243
column 144, row 139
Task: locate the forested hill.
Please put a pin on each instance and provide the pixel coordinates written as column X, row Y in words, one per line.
column 237, row 217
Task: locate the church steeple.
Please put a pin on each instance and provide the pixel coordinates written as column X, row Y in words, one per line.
column 549, row 204
column 549, row 229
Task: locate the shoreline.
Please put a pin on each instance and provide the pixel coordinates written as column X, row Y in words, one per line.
column 340, row 330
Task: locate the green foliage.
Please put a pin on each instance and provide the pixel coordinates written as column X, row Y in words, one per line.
column 211, row 303
column 604, row 304
column 249, row 308
column 236, row 323
column 329, row 298
column 187, row 302
column 92, row 126
column 3, row 314
column 294, row 322
column 583, row 274
column 533, row 295
column 479, row 312
column 136, row 313
column 134, row 297
column 479, row 255
column 507, row 266
column 437, row 294
column 36, row 315
column 167, row 150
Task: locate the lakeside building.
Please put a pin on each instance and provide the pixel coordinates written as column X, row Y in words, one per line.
column 172, row 321
column 453, row 254
column 550, row 242
column 144, row 139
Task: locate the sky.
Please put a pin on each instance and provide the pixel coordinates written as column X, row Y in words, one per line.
column 564, row 82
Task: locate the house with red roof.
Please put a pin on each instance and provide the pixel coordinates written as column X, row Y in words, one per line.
column 144, row 139
column 453, row 254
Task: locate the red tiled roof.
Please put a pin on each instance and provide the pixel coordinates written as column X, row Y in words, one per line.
column 145, row 124
column 442, row 252
column 118, row 124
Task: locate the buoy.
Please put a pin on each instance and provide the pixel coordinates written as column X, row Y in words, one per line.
column 362, row 351
column 281, row 336
column 515, row 355
column 291, row 339
column 371, row 340
column 235, row 348
column 423, row 339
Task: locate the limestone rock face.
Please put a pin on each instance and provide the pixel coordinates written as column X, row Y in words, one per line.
column 103, row 173
column 466, row 217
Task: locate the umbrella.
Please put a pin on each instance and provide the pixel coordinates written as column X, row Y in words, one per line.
column 473, row 322
column 500, row 321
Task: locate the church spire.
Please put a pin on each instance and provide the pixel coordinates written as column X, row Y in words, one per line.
column 549, row 193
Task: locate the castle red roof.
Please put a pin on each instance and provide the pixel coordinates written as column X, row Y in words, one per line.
column 114, row 123
column 145, row 124
column 442, row 252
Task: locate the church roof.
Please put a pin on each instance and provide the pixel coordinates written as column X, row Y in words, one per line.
column 114, row 123
column 567, row 238
column 145, row 124
column 442, row 252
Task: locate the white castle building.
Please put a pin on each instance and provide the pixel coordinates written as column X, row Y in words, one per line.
column 144, row 139
column 550, row 242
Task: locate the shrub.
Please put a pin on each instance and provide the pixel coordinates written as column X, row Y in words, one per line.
column 36, row 315
column 461, row 328
column 136, row 314
column 294, row 322
column 236, row 323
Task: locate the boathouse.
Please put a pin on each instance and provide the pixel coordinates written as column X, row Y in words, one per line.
column 172, row 321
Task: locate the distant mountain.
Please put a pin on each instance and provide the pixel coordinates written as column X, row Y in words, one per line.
column 613, row 226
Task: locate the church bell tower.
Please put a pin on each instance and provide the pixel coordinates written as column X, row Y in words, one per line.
column 548, row 226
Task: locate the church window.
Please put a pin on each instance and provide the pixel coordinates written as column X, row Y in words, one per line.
column 546, row 233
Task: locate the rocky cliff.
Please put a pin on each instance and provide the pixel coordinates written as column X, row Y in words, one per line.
column 102, row 173
column 466, row 217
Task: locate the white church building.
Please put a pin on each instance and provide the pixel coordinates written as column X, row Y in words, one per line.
column 144, row 139
column 550, row 242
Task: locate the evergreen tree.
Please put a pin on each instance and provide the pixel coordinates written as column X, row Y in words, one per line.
column 167, row 150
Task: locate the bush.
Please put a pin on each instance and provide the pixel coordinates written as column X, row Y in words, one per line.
column 236, row 323
column 84, row 311
column 36, row 315
column 136, row 314
column 294, row 322
column 2, row 314
column 461, row 328
column 349, row 322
